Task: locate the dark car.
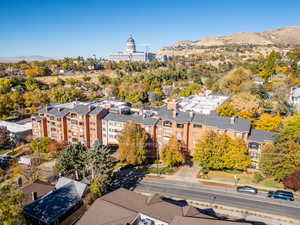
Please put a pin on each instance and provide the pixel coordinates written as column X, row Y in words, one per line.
column 5, row 162
column 247, row 189
column 285, row 195
column 6, row 158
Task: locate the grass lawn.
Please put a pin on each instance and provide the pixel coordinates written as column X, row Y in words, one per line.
column 79, row 76
column 244, row 179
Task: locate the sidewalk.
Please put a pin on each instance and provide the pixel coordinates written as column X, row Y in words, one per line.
column 189, row 174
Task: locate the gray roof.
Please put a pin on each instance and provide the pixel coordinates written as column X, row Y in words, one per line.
column 81, row 109
column 54, row 205
column 181, row 117
column 241, row 125
column 261, row 136
column 96, row 110
column 130, row 118
column 79, row 186
column 55, row 111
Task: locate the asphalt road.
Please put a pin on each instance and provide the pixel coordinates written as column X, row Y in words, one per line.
column 198, row 192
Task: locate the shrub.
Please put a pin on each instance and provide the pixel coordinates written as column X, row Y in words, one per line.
column 258, row 178
column 292, row 181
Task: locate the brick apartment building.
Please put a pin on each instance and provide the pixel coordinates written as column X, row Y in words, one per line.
column 90, row 122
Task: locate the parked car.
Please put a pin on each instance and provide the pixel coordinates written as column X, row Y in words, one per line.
column 279, row 194
column 247, row 189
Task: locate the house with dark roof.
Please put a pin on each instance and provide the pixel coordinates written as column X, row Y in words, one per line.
column 35, row 190
column 256, row 139
column 124, row 207
column 57, row 205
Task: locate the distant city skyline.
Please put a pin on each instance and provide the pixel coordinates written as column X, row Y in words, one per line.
column 65, row 28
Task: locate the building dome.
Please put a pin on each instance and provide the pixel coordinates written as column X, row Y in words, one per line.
column 130, row 45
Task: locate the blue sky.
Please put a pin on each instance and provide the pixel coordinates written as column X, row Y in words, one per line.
column 59, row 28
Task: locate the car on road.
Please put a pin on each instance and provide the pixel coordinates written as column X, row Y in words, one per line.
column 247, row 189
column 5, row 162
column 279, row 194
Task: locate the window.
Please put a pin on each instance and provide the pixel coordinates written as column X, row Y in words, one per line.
column 93, row 123
column 167, row 132
column 74, row 134
column 254, row 155
column 104, row 135
column 148, row 129
column 58, row 119
column 82, row 136
column 93, row 129
column 166, row 139
column 238, row 134
column 51, row 117
column 195, row 134
column 197, row 126
column 253, row 145
column 179, row 125
column 103, row 129
column 167, row 123
column 53, row 129
column 74, row 122
column 81, row 123
column 179, row 134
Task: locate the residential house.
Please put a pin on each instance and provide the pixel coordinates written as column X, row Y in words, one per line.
column 256, row 139
column 124, row 207
column 35, row 190
column 56, row 206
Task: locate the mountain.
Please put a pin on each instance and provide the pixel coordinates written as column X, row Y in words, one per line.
column 281, row 36
column 26, row 58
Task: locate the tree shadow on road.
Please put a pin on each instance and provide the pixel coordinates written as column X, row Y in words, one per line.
column 211, row 212
column 129, row 178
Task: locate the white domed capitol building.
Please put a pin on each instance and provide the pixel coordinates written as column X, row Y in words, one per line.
column 130, row 54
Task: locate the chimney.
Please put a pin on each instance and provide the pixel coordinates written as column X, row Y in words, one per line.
column 172, row 105
column 191, row 113
column 20, row 182
column 174, row 113
column 34, row 195
column 232, row 120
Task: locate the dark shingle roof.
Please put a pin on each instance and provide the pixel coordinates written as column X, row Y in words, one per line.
column 38, row 186
column 55, row 111
column 130, row 118
column 53, row 205
column 96, row 110
column 241, row 125
column 181, row 117
column 81, row 109
column 261, row 136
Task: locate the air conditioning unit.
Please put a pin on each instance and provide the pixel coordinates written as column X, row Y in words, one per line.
column 146, row 222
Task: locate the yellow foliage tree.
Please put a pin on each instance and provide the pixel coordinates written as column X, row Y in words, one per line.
column 132, row 144
column 219, row 151
column 268, row 122
column 172, row 154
